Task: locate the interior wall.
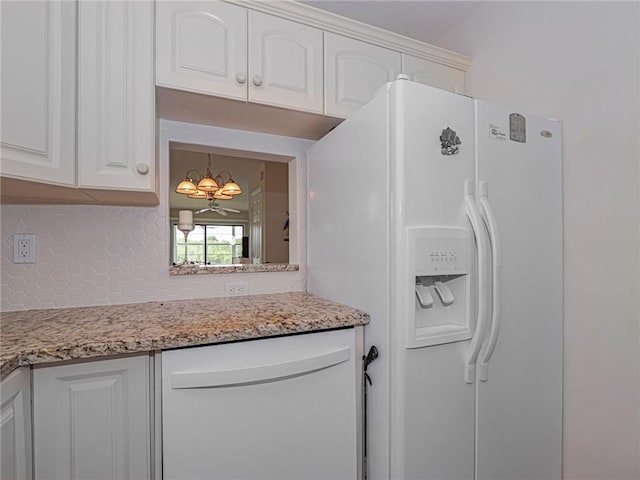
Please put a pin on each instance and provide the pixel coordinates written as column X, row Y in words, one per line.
column 99, row 255
column 579, row 62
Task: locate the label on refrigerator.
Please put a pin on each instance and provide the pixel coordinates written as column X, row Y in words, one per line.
column 496, row 132
column 517, row 128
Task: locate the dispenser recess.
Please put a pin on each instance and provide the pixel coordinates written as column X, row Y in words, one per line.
column 439, row 287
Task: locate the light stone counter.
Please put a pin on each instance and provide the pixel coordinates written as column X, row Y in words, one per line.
column 40, row 336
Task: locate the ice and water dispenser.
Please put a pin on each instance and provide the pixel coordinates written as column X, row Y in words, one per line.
column 440, row 266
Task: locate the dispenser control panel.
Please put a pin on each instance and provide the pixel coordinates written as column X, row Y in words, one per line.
column 440, row 250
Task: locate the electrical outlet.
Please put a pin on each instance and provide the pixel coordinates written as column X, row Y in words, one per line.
column 236, row 289
column 24, row 248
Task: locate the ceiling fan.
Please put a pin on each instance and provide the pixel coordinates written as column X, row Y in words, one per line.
column 215, row 207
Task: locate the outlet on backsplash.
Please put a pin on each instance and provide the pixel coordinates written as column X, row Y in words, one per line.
column 236, row 289
column 24, row 248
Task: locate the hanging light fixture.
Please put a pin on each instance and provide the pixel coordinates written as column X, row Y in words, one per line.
column 208, row 186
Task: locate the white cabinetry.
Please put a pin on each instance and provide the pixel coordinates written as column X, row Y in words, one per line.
column 433, row 74
column 50, row 155
column 116, row 98
column 93, row 420
column 283, row 408
column 206, row 48
column 285, row 63
column 202, row 47
column 38, row 91
column 354, row 71
column 15, row 425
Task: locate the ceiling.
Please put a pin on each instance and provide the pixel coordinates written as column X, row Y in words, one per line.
column 422, row 20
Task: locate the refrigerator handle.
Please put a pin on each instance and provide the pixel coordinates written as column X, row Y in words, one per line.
column 496, row 266
column 483, row 291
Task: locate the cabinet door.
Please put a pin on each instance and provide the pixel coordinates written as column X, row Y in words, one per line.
column 116, row 97
column 92, row 420
column 280, row 408
column 354, row 71
column 202, row 47
column 15, row 425
column 434, row 74
column 285, row 63
column 38, row 91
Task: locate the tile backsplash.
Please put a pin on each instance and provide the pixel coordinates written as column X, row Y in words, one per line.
column 98, row 255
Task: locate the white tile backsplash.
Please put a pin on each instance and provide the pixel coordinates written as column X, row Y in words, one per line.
column 98, row 255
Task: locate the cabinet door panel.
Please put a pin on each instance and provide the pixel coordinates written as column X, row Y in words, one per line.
column 202, row 47
column 91, row 420
column 15, row 426
column 434, row 74
column 116, row 119
column 38, row 91
column 285, row 63
column 354, row 71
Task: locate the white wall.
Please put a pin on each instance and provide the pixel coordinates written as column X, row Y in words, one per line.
column 91, row 255
column 579, row 62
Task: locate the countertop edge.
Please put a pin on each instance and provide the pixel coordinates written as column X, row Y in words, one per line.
column 50, row 352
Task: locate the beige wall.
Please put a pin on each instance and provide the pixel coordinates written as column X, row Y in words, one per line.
column 579, row 62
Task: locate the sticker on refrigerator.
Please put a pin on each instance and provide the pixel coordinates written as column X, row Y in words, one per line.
column 496, row 132
column 449, row 142
column 517, row 128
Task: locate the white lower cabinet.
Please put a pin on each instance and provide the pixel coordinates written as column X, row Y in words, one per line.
column 92, row 420
column 15, row 426
column 279, row 408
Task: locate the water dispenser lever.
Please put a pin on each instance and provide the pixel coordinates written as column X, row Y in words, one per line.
column 425, row 299
column 445, row 294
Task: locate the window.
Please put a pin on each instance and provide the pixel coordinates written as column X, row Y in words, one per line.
column 209, row 244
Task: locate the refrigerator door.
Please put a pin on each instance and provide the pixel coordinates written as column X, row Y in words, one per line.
column 519, row 411
column 348, row 244
column 432, row 408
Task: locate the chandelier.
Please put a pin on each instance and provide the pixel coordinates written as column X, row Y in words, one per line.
column 208, row 186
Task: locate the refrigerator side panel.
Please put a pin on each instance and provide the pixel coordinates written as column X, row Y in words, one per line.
column 433, row 409
column 348, row 243
column 520, row 405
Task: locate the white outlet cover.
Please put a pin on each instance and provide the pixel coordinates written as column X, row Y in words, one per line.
column 24, row 257
column 236, row 289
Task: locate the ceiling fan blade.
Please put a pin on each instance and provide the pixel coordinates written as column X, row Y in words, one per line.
column 232, row 210
column 221, row 212
column 202, row 211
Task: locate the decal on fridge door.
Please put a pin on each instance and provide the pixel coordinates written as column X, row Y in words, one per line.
column 517, row 128
column 449, row 142
column 496, row 132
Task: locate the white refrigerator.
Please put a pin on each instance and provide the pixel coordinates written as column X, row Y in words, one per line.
column 441, row 216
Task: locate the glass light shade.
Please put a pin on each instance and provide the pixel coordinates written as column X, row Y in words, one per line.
column 231, row 188
column 219, row 195
column 198, row 194
column 186, row 187
column 208, row 184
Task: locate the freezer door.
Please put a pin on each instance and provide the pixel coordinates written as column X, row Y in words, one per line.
column 432, row 407
column 519, row 421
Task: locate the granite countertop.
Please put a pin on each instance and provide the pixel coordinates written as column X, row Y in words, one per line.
column 41, row 336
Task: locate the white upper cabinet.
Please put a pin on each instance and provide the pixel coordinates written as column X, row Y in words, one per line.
column 434, row 74
column 205, row 47
column 38, row 91
column 202, row 47
column 354, row 71
column 285, row 63
column 116, row 97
